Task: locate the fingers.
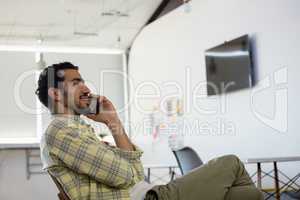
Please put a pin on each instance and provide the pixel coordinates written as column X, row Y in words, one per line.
column 102, row 99
column 91, row 116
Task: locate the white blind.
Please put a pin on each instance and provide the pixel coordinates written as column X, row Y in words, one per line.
column 18, row 102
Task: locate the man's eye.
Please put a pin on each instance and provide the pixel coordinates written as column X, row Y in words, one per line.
column 77, row 82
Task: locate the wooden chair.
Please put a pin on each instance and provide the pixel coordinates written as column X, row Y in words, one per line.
column 61, row 195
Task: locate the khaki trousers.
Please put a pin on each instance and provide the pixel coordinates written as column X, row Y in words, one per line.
column 223, row 178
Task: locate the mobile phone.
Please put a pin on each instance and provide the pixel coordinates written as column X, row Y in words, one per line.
column 93, row 108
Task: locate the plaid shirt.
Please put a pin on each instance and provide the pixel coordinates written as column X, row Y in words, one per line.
column 87, row 168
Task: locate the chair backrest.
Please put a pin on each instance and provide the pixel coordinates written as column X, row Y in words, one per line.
column 187, row 159
column 61, row 195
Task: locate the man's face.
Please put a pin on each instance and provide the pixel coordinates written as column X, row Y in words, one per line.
column 76, row 93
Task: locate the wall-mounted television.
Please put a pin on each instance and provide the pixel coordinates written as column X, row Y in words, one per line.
column 229, row 66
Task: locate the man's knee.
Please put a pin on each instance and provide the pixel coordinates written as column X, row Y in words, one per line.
column 227, row 163
column 230, row 159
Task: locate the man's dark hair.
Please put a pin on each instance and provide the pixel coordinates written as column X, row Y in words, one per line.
column 50, row 77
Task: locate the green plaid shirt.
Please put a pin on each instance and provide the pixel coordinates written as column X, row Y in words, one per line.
column 87, row 168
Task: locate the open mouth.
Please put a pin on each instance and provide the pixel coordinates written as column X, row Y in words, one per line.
column 85, row 97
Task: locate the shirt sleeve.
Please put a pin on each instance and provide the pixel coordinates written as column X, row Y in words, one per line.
column 134, row 158
column 131, row 156
column 93, row 159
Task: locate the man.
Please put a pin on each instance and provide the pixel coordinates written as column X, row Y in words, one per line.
column 89, row 169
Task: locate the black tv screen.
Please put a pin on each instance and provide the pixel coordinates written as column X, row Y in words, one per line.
column 229, row 66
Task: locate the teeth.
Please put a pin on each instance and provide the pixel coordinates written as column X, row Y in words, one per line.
column 84, row 97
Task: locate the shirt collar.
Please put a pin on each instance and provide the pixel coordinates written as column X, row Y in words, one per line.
column 68, row 116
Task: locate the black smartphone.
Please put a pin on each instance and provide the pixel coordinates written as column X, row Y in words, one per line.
column 93, row 108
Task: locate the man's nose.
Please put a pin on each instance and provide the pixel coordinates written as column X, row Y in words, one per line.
column 85, row 88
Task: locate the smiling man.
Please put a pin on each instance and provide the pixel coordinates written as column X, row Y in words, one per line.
column 86, row 167
column 89, row 169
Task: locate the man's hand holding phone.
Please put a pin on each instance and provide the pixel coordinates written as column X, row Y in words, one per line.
column 107, row 113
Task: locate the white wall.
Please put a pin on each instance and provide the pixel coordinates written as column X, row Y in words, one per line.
column 168, row 47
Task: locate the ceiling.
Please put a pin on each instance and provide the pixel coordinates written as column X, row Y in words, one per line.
column 92, row 23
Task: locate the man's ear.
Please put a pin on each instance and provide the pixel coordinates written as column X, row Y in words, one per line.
column 54, row 94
